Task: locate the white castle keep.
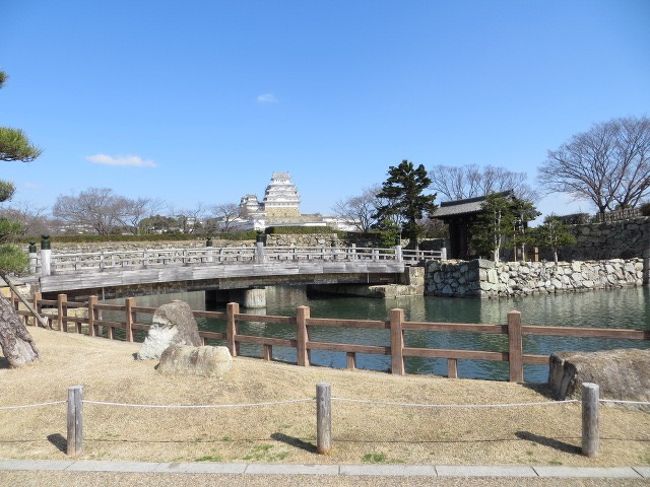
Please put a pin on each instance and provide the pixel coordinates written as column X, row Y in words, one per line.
column 281, row 207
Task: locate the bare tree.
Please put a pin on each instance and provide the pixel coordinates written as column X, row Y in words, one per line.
column 226, row 214
column 461, row 182
column 34, row 221
column 360, row 210
column 189, row 219
column 103, row 211
column 136, row 210
column 609, row 164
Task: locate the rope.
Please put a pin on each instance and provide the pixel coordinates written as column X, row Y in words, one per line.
column 449, row 406
column 198, row 406
column 617, row 401
column 4, row 408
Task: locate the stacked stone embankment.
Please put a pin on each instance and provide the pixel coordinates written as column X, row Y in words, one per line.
column 485, row 278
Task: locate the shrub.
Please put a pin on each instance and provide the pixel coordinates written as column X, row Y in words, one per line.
column 645, row 209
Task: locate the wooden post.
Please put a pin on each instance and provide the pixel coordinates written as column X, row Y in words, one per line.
column 590, row 435
column 351, row 360
column 452, row 368
column 231, row 327
column 75, row 421
column 646, row 267
column 396, row 341
column 129, row 302
column 302, row 336
column 37, row 305
column 323, row 418
column 92, row 329
column 515, row 347
column 267, row 352
column 62, row 310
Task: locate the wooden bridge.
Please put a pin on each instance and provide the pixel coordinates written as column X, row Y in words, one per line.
column 137, row 272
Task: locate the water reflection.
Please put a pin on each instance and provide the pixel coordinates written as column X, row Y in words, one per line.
column 625, row 308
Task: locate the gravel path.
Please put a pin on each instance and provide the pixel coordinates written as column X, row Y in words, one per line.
column 84, row 479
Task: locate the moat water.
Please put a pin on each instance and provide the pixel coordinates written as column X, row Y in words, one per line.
column 623, row 308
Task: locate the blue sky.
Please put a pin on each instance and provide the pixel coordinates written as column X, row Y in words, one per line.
column 209, row 98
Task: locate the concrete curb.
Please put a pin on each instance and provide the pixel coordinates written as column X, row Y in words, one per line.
column 330, row 470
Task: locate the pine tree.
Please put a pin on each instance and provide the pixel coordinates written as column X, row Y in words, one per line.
column 404, row 200
column 553, row 234
column 17, row 344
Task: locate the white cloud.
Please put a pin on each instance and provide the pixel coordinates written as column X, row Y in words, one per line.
column 128, row 160
column 267, row 98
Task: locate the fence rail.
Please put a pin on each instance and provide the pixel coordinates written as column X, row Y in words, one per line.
column 48, row 263
column 59, row 318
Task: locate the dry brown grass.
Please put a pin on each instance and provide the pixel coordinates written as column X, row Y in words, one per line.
column 536, row 435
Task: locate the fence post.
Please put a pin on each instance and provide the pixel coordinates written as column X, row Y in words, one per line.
column 62, row 311
column 231, row 327
column 33, row 258
column 46, row 256
column 515, row 347
column 75, row 421
column 129, row 302
column 353, row 252
column 443, row 253
column 302, row 336
column 397, row 341
column 92, row 329
column 323, row 418
column 37, row 305
column 646, row 267
column 590, row 438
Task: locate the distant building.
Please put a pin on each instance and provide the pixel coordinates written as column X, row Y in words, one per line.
column 281, row 207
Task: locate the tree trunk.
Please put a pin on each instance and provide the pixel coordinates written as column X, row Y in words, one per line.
column 17, row 345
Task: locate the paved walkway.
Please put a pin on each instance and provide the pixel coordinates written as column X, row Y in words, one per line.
column 256, row 469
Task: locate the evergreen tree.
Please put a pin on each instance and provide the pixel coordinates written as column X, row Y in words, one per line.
column 403, row 199
column 553, row 234
column 502, row 217
column 17, row 345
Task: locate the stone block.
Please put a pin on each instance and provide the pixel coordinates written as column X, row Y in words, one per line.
column 187, row 360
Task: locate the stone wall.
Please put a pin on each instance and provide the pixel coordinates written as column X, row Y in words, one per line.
column 623, row 239
column 484, row 278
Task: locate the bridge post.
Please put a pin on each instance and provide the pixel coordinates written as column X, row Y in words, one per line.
column 443, row 253
column 210, row 250
column 353, row 252
column 33, row 258
column 398, row 253
column 46, row 256
column 260, row 257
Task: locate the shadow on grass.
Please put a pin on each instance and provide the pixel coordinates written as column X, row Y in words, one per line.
column 550, row 442
column 4, row 363
column 295, row 442
column 59, row 442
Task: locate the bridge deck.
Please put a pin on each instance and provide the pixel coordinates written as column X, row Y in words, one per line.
column 268, row 273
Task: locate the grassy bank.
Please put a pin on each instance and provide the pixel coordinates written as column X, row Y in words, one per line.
column 362, row 433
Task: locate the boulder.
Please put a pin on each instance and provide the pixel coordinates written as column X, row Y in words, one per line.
column 187, row 360
column 172, row 324
column 621, row 374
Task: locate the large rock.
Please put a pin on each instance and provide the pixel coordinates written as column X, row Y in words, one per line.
column 187, row 360
column 621, row 374
column 172, row 324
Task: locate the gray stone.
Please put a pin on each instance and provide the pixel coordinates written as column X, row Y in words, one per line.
column 389, row 470
column 492, row 276
column 576, row 266
column 485, row 471
column 187, row 360
column 172, row 324
column 621, row 374
column 587, row 472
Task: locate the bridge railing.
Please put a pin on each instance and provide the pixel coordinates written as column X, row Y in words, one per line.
column 66, row 263
column 86, row 317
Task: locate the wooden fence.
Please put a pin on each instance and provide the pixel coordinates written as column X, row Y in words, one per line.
column 514, row 329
